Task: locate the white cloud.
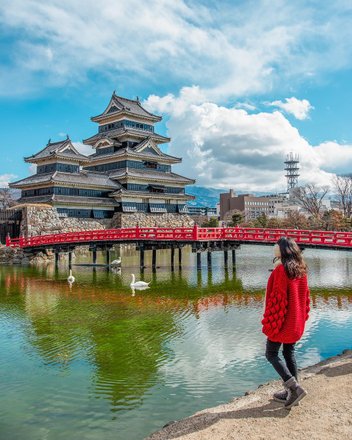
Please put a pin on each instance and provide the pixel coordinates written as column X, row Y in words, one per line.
column 83, row 149
column 230, row 50
column 228, row 147
column 200, row 358
column 245, row 105
column 334, row 157
column 5, row 179
column 299, row 108
column 32, row 168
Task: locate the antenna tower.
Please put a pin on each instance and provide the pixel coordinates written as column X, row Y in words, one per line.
column 292, row 170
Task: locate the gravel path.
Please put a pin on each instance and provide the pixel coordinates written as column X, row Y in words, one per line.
column 325, row 414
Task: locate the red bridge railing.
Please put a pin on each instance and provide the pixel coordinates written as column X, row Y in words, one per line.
column 258, row 235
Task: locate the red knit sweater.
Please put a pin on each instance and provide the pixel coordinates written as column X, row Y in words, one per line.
column 286, row 307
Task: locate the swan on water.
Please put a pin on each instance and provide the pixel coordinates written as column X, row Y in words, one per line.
column 116, row 262
column 138, row 284
column 138, row 289
column 71, row 279
column 116, row 269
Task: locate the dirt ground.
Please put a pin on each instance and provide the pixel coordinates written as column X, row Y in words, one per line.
column 325, row 414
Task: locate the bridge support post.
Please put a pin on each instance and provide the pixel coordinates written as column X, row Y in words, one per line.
column 199, row 261
column 226, row 258
column 233, row 258
column 209, row 259
column 210, row 278
column 226, row 273
column 172, row 259
column 94, row 254
column 57, row 255
column 141, row 258
column 154, row 260
column 199, row 278
column 70, row 259
column 107, row 258
column 180, row 257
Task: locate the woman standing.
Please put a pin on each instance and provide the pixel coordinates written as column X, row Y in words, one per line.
column 285, row 315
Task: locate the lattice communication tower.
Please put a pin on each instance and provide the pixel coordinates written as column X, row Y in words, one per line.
column 292, row 170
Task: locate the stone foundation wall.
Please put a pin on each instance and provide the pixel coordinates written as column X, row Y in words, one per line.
column 44, row 220
column 12, row 256
column 167, row 220
column 39, row 220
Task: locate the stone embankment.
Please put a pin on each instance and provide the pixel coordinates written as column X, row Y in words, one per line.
column 167, row 220
column 10, row 256
column 325, row 414
column 44, row 220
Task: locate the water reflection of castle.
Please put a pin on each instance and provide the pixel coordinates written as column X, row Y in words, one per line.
column 123, row 337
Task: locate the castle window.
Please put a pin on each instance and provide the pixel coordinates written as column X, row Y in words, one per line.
column 157, row 188
column 157, row 207
column 126, row 124
column 152, row 165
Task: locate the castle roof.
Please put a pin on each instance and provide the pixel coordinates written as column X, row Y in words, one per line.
column 62, row 149
column 73, row 200
column 146, row 149
column 123, row 192
column 125, row 132
column 86, row 178
column 144, row 174
column 118, row 105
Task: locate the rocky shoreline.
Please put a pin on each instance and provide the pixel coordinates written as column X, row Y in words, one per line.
column 17, row 256
column 325, row 414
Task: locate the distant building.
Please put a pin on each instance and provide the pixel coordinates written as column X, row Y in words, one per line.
column 251, row 206
column 127, row 172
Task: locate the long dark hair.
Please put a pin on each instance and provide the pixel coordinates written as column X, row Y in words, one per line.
column 291, row 258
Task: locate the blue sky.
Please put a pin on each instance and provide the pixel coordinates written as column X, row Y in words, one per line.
column 239, row 83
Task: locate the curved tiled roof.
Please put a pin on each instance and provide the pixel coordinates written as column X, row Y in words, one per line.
column 84, row 177
column 150, row 174
column 125, row 105
column 111, row 134
column 133, row 152
column 58, row 149
column 74, row 200
column 145, row 194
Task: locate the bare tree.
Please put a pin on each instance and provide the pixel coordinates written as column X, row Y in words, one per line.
column 343, row 188
column 6, row 198
column 311, row 197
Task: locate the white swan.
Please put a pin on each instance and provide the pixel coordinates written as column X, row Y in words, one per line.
column 71, row 279
column 116, row 262
column 116, row 269
column 138, row 284
column 138, row 289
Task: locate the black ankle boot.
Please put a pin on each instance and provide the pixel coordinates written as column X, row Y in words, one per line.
column 296, row 393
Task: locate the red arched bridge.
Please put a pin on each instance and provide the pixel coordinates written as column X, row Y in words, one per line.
column 201, row 239
column 237, row 235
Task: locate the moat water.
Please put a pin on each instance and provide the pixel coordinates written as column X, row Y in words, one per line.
column 95, row 361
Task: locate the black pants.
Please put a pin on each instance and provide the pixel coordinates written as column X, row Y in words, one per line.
column 285, row 369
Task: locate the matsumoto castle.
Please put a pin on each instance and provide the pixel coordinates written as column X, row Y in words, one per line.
column 127, row 171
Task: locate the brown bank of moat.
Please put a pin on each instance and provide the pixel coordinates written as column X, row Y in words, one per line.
column 326, row 413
